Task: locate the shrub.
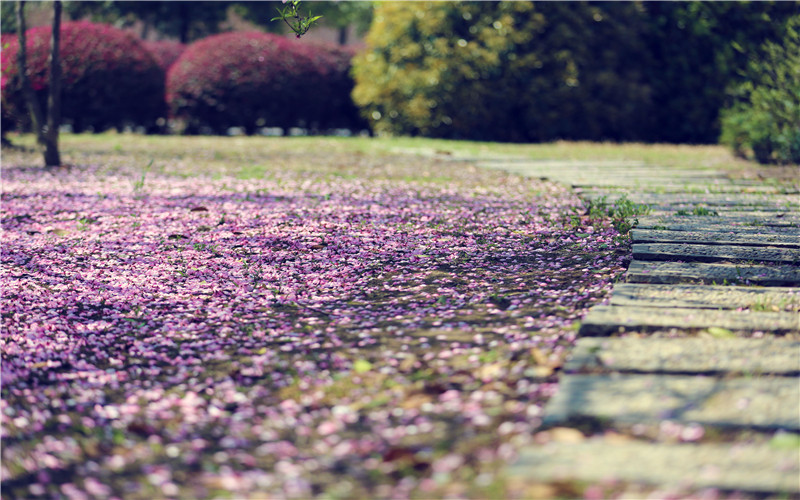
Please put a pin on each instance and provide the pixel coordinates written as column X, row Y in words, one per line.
column 257, row 79
column 165, row 52
column 109, row 78
column 330, row 104
column 503, row 71
column 766, row 118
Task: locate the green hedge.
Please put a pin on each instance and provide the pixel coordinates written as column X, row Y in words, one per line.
column 765, row 120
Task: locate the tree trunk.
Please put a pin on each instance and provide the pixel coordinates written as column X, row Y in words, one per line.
column 35, row 109
column 51, row 155
column 46, row 132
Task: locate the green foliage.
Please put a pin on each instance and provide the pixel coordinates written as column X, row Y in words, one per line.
column 645, row 71
column 502, row 71
column 698, row 211
column 696, row 51
column 184, row 20
column 290, row 15
column 765, row 121
column 620, row 209
column 623, row 212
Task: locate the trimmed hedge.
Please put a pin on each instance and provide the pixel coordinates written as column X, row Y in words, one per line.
column 165, row 52
column 110, row 79
column 254, row 79
column 330, row 103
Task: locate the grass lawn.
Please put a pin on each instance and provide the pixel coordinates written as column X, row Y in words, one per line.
column 289, row 317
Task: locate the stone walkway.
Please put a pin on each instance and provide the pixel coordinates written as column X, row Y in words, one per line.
column 690, row 377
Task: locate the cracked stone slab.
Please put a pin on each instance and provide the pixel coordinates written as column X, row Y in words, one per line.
column 715, row 238
column 686, row 356
column 713, row 253
column 739, row 467
column 706, row 297
column 712, row 273
column 743, row 402
column 749, row 219
column 608, row 320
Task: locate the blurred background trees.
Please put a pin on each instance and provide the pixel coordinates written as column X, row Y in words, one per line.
column 765, row 116
column 649, row 71
column 679, row 72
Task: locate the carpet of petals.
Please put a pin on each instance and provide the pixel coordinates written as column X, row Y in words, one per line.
column 294, row 335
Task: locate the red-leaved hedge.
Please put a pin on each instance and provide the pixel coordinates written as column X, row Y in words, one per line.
column 109, row 78
column 333, row 106
column 165, row 52
column 253, row 79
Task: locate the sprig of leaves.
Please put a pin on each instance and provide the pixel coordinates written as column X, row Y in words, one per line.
column 290, row 14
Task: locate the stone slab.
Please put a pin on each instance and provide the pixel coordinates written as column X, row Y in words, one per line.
column 712, row 200
column 606, row 186
column 744, row 402
column 665, row 183
column 715, row 238
column 687, row 210
column 760, row 222
column 706, row 297
column 727, row 212
column 733, row 467
column 686, row 356
column 712, row 273
column 569, row 172
column 582, row 164
column 608, row 320
column 714, row 253
column 731, row 229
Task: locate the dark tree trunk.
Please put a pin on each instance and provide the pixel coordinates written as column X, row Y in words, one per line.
column 51, row 155
column 46, row 132
column 35, row 109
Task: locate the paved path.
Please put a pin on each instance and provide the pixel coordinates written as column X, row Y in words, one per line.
column 690, row 377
